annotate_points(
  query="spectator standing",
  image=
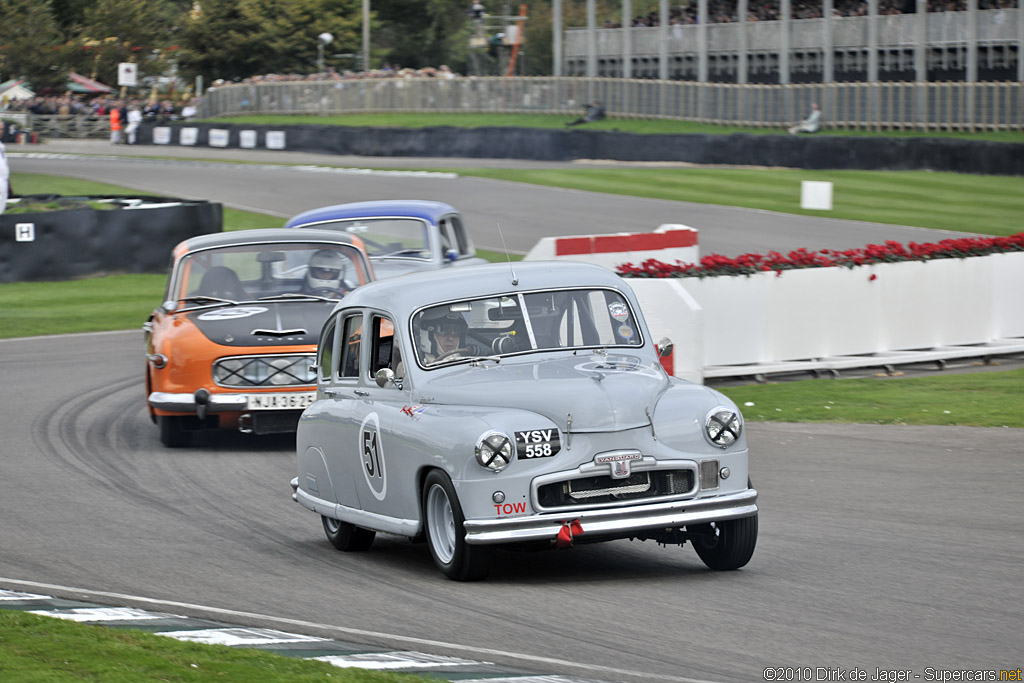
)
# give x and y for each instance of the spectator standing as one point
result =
(115, 124)
(812, 124)
(134, 119)
(5, 179)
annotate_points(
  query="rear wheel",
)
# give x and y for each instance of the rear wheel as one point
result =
(446, 534)
(347, 537)
(173, 433)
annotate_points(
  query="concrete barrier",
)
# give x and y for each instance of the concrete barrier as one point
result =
(831, 319)
(669, 243)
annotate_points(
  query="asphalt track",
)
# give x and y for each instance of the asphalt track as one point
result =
(881, 547)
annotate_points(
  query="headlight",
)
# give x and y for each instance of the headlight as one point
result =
(722, 427)
(494, 451)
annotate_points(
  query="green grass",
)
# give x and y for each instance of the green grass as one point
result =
(641, 126)
(989, 205)
(979, 399)
(49, 650)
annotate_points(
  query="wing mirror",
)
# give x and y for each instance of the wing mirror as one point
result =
(451, 255)
(664, 347)
(384, 376)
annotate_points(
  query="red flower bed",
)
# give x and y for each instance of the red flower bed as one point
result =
(891, 252)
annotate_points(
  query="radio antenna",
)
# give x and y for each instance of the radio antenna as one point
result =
(515, 279)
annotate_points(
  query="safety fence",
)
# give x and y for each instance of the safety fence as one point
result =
(946, 106)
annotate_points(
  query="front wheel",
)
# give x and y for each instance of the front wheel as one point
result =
(173, 433)
(347, 537)
(728, 544)
(446, 534)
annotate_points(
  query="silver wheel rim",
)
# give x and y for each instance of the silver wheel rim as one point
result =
(332, 525)
(441, 524)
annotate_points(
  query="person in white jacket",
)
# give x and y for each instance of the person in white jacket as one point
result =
(812, 124)
(134, 119)
(5, 175)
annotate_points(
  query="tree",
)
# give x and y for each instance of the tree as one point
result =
(114, 31)
(234, 39)
(30, 43)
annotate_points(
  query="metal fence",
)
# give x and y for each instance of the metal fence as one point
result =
(61, 126)
(949, 106)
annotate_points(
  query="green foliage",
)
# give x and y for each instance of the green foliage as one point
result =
(30, 43)
(234, 39)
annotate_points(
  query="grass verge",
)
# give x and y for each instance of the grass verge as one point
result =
(37, 648)
(980, 399)
(640, 126)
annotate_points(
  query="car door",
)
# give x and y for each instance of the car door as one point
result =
(337, 429)
(379, 415)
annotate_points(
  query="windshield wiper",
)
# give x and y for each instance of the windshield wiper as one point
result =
(212, 299)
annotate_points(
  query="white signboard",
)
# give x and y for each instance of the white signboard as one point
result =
(162, 135)
(189, 136)
(25, 232)
(247, 139)
(218, 137)
(275, 139)
(128, 74)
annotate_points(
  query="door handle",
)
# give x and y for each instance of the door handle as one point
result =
(330, 392)
(360, 392)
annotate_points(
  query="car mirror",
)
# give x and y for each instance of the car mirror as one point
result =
(664, 347)
(384, 376)
(169, 306)
(271, 256)
(451, 254)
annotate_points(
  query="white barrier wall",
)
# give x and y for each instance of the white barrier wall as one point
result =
(835, 317)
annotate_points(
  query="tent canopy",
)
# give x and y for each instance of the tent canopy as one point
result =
(15, 89)
(81, 84)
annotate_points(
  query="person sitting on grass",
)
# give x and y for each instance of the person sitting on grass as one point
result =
(595, 112)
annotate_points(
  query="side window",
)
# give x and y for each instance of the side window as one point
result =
(385, 352)
(325, 352)
(446, 237)
(352, 333)
(458, 236)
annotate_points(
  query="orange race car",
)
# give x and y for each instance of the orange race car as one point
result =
(233, 346)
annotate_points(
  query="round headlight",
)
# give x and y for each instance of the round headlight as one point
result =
(494, 451)
(722, 427)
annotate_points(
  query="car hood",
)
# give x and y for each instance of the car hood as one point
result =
(602, 393)
(263, 323)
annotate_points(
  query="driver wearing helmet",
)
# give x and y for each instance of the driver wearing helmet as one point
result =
(447, 337)
(326, 274)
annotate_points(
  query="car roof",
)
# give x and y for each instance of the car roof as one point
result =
(416, 208)
(260, 235)
(406, 293)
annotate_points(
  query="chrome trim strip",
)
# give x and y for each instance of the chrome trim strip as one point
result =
(360, 518)
(186, 403)
(615, 520)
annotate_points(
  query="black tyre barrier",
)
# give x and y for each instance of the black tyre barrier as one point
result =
(816, 151)
(73, 243)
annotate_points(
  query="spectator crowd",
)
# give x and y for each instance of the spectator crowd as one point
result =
(153, 109)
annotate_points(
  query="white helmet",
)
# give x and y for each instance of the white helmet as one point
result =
(326, 270)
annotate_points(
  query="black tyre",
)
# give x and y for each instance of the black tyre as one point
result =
(347, 537)
(446, 534)
(726, 545)
(173, 433)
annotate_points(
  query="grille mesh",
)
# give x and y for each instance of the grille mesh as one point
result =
(265, 371)
(604, 489)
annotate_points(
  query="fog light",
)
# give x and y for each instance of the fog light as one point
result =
(724, 473)
(498, 497)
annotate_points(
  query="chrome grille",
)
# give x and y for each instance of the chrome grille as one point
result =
(604, 489)
(265, 371)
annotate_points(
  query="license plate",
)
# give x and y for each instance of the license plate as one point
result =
(284, 401)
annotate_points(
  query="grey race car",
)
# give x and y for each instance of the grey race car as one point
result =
(521, 404)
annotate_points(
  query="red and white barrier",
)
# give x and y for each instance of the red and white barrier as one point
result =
(669, 243)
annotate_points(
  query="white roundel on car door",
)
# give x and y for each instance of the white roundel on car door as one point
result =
(372, 453)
